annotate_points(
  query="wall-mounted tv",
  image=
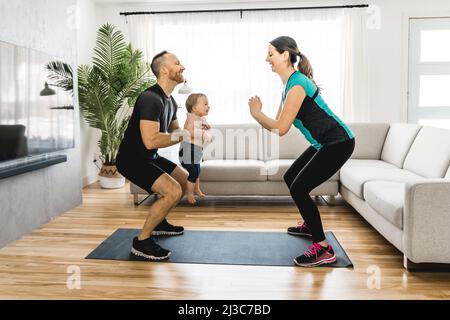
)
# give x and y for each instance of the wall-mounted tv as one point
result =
(36, 116)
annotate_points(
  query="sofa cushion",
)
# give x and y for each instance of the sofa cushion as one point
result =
(353, 175)
(277, 168)
(233, 170)
(235, 142)
(429, 155)
(369, 139)
(289, 146)
(387, 198)
(368, 163)
(398, 141)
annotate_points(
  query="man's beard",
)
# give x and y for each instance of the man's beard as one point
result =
(177, 77)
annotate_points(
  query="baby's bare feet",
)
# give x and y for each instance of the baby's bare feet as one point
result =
(199, 193)
(191, 198)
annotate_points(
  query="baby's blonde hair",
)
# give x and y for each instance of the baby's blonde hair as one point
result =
(191, 101)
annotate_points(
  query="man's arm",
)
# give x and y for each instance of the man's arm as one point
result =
(153, 139)
(174, 125)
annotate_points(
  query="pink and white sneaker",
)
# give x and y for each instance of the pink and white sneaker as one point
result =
(316, 256)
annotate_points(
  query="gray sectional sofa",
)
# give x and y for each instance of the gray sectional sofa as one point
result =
(398, 179)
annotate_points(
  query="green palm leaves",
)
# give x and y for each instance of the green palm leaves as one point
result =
(108, 88)
(61, 74)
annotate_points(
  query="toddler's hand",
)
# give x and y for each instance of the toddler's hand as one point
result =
(207, 138)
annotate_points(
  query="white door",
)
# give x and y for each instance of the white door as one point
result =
(429, 72)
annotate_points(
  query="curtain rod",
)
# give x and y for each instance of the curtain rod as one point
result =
(244, 10)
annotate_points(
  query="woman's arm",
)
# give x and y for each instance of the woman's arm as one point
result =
(278, 112)
(286, 116)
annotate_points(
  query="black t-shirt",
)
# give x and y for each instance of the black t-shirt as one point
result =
(154, 105)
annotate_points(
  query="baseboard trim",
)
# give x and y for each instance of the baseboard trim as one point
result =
(87, 180)
(427, 267)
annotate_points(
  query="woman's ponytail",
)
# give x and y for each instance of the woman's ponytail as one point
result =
(305, 67)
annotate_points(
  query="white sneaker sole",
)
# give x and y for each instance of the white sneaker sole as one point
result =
(300, 234)
(310, 265)
(146, 256)
(166, 233)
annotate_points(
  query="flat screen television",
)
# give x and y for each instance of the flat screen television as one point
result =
(36, 116)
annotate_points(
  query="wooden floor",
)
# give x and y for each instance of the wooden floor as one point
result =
(38, 266)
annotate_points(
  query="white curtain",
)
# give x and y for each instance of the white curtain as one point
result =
(224, 55)
(141, 34)
(355, 89)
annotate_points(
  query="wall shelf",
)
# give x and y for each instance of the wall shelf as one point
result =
(30, 165)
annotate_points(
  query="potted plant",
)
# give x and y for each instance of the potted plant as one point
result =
(107, 90)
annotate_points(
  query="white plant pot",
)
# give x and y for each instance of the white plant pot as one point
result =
(110, 178)
(111, 183)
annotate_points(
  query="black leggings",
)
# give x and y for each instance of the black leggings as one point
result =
(311, 169)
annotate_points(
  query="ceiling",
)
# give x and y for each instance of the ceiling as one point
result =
(194, 2)
(166, 2)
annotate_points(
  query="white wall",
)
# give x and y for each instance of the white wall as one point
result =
(387, 45)
(388, 55)
(86, 34)
(32, 199)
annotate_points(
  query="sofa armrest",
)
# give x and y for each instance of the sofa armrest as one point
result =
(426, 228)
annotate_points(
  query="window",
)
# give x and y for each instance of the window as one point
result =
(429, 72)
(225, 54)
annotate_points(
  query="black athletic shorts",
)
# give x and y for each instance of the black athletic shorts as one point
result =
(144, 173)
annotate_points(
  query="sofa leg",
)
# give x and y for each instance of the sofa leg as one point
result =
(428, 267)
(331, 200)
(136, 199)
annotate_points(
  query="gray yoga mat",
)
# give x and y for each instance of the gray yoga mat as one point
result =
(220, 247)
